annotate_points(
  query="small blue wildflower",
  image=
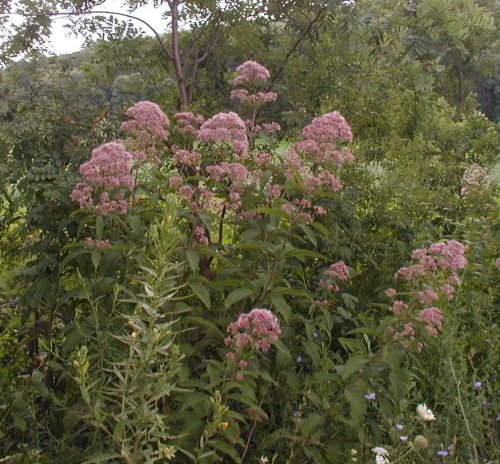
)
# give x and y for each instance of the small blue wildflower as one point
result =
(498, 417)
(371, 396)
(315, 334)
(296, 414)
(399, 426)
(299, 359)
(478, 384)
(443, 453)
(404, 438)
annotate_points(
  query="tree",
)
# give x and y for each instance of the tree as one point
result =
(208, 22)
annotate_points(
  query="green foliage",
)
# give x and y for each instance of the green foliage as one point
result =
(117, 354)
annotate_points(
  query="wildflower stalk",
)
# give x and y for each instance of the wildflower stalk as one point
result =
(459, 396)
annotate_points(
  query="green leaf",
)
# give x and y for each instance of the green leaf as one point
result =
(193, 259)
(290, 291)
(309, 234)
(96, 258)
(228, 449)
(203, 322)
(353, 364)
(272, 211)
(314, 454)
(19, 422)
(99, 226)
(282, 307)
(301, 254)
(311, 424)
(357, 404)
(102, 457)
(237, 295)
(277, 435)
(135, 224)
(72, 255)
(72, 338)
(350, 301)
(201, 292)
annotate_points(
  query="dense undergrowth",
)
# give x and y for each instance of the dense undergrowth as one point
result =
(304, 272)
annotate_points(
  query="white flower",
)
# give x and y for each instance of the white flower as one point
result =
(381, 460)
(425, 413)
(379, 451)
(263, 460)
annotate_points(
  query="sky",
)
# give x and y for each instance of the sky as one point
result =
(61, 43)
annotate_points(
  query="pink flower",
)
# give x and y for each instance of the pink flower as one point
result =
(253, 98)
(474, 180)
(271, 127)
(399, 307)
(256, 330)
(449, 255)
(148, 116)
(433, 319)
(228, 128)
(97, 244)
(288, 208)
(175, 181)
(201, 236)
(188, 123)
(186, 191)
(448, 290)
(106, 180)
(189, 158)
(146, 128)
(251, 72)
(427, 296)
(391, 292)
(407, 332)
(274, 191)
(242, 364)
(327, 128)
(410, 272)
(338, 271)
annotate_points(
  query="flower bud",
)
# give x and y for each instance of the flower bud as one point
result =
(420, 442)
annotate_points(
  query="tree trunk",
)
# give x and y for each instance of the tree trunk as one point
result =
(176, 56)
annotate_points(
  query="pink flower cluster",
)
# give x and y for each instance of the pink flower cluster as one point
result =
(106, 180)
(228, 128)
(258, 97)
(188, 123)
(433, 320)
(251, 72)
(97, 244)
(337, 272)
(256, 330)
(475, 180)
(442, 256)
(328, 128)
(299, 210)
(221, 174)
(321, 138)
(434, 276)
(315, 158)
(200, 235)
(187, 157)
(146, 128)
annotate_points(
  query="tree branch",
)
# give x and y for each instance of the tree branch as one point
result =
(83, 13)
(306, 31)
